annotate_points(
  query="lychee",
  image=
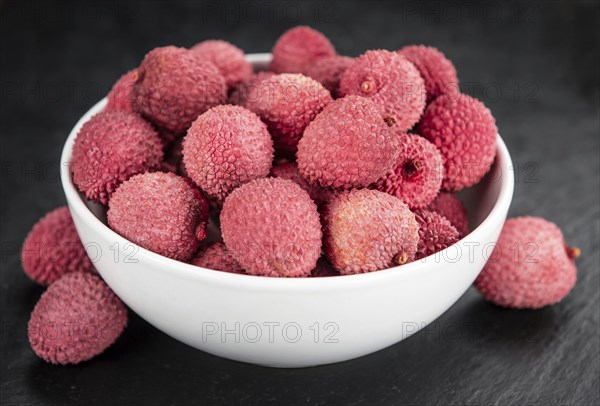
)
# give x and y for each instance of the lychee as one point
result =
(329, 70)
(530, 267)
(120, 96)
(289, 170)
(216, 256)
(272, 228)
(226, 147)
(465, 132)
(435, 233)
(77, 318)
(161, 212)
(392, 82)
(176, 85)
(287, 103)
(368, 230)
(239, 93)
(229, 59)
(417, 174)
(347, 145)
(436, 70)
(110, 148)
(52, 248)
(298, 48)
(449, 205)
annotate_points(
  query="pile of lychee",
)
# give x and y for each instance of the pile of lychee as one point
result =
(324, 165)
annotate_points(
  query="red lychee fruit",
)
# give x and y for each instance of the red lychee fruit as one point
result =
(53, 248)
(436, 70)
(299, 48)
(368, 230)
(216, 256)
(465, 132)
(226, 147)
(161, 212)
(120, 96)
(176, 85)
(77, 318)
(272, 228)
(329, 70)
(436, 233)
(392, 82)
(450, 206)
(110, 148)
(229, 59)
(530, 267)
(287, 103)
(417, 174)
(347, 145)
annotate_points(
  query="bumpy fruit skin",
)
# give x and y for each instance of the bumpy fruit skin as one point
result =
(226, 147)
(436, 70)
(216, 256)
(530, 267)
(465, 132)
(110, 148)
(229, 59)
(77, 318)
(417, 174)
(329, 70)
(448, 205)
(239, 93)
(272, 228)
(368, 230)
(392, 82)
(175, 86)
(289, 171)
(287, 103)
(347, 145)
(298, 48)
(161, 212)
(52, 248)
(120, 96)
(435, 233)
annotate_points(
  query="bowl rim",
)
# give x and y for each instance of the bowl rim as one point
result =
(188, 271)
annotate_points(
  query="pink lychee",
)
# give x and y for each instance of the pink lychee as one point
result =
(226, 147)
(347, 145)
(392, 82)
(465, 132)
(161, 212)
(110, 148)
(77, 318)
(530, 267)
(229, 59)
(298, 48)
(368, 230)
(417, 175)
(272, 228)
(53, 248)
(174, 86)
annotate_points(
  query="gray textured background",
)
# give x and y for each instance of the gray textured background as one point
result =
(535, 64)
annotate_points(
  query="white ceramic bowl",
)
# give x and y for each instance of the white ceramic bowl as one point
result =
(291, 322)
